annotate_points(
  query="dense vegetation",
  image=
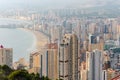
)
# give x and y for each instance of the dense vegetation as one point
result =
(6, 73)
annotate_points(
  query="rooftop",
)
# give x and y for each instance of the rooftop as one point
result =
(52, 46)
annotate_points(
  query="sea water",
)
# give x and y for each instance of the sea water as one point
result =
(22, 41)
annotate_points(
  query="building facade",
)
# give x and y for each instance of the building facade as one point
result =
(34, 63)
(115, 58)
(68, 58)
(52, 60)
(6, 56)
(94, 65)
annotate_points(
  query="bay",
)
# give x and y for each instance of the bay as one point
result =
(23, 42)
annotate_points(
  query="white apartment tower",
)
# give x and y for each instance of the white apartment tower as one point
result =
(94, 65)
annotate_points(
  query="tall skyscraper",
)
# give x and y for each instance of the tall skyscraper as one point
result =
(6, 56)
(94, 65)
(68, 58)
(52, 60)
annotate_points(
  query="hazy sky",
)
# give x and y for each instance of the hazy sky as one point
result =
(56, 3)
(40, 1)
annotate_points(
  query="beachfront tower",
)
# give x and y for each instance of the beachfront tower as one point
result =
(68, 58)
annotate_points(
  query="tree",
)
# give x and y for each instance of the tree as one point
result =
(6, 73)
(6, 70)
(44, 78)
(34, 76)
(19, 75)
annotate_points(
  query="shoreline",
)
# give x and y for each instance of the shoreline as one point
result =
(41, 39)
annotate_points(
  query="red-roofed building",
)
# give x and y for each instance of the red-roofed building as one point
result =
(116, 78)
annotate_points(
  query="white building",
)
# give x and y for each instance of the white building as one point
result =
(94, 65)
(6, 56)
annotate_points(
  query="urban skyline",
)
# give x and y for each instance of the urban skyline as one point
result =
(70, 40)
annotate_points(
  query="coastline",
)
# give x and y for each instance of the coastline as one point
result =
(41, 39)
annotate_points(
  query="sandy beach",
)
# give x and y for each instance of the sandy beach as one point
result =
(41, 39)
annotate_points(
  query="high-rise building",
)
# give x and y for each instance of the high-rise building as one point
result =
(68, 58)
(95, 42)
(83, 71)
(39, 63)
(45, 62)
(34, 62)
(52, 60)
(92, 39)
(6, 56)
(94, 65)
